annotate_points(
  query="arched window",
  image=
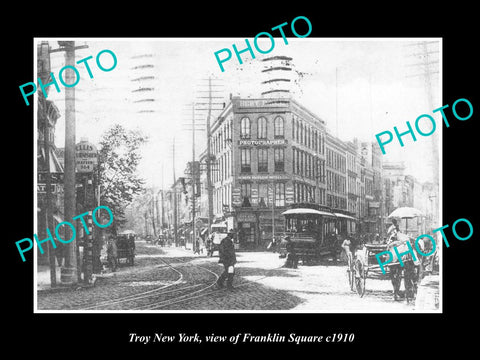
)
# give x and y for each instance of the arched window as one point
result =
(278, 128)
(261, 128)
(245, 128)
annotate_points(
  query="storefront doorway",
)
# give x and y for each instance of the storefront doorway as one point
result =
(246, 234)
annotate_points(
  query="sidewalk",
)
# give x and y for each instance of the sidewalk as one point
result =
(43, 277)
(43, 271)
(428, 294)
(44, 283)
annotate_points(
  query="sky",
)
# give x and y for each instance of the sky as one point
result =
(359, 87)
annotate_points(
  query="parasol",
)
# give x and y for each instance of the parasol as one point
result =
(406, 213)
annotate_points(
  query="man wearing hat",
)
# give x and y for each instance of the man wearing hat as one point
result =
(226, 251)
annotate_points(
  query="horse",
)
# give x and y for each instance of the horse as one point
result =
(411, 268)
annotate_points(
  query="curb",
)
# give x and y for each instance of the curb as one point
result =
(65, 288)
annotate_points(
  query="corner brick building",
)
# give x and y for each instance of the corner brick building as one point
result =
(272, 152)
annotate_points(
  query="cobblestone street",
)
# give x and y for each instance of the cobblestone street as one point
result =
(175, 279)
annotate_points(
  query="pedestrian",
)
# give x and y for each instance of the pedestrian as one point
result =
(292, 259)
(112, 254)
(197, 247)
(226, 251)
(392, 231)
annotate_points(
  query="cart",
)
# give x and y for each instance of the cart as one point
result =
(364, 262)
(361, 263)
(126, 247)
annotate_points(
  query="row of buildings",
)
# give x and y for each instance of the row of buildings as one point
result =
(269, 153)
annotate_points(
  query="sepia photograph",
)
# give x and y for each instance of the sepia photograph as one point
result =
(260, 175)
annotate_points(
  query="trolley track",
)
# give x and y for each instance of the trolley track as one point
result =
(192, 282)
(179, 290)
(185, 293)
(201, 293)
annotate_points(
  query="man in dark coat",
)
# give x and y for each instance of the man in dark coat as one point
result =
(226, 252)
(112, 254)
(292, 259)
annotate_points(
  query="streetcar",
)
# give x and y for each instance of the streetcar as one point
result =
(314, 231)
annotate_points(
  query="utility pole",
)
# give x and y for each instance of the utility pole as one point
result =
(336, 102)
(174, 198)
(194, 179)
(145, 215)
(163, 201)
(152, 210)
(68, 272)
(273, 210)
(429, 53)
(209, 155)
(157, 210)
(209, 109)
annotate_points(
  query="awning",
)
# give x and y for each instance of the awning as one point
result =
(306, 211)
(345, 216)
(406, 212)
(55, 164)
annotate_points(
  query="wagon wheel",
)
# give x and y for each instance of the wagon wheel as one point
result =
(351, 277)
(360, 277)
(350, 274)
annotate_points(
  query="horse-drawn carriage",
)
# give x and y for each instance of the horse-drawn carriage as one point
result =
(126, 246)
(363, 259)
(363, 262)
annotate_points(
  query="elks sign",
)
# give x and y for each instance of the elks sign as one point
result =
(86, 156)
